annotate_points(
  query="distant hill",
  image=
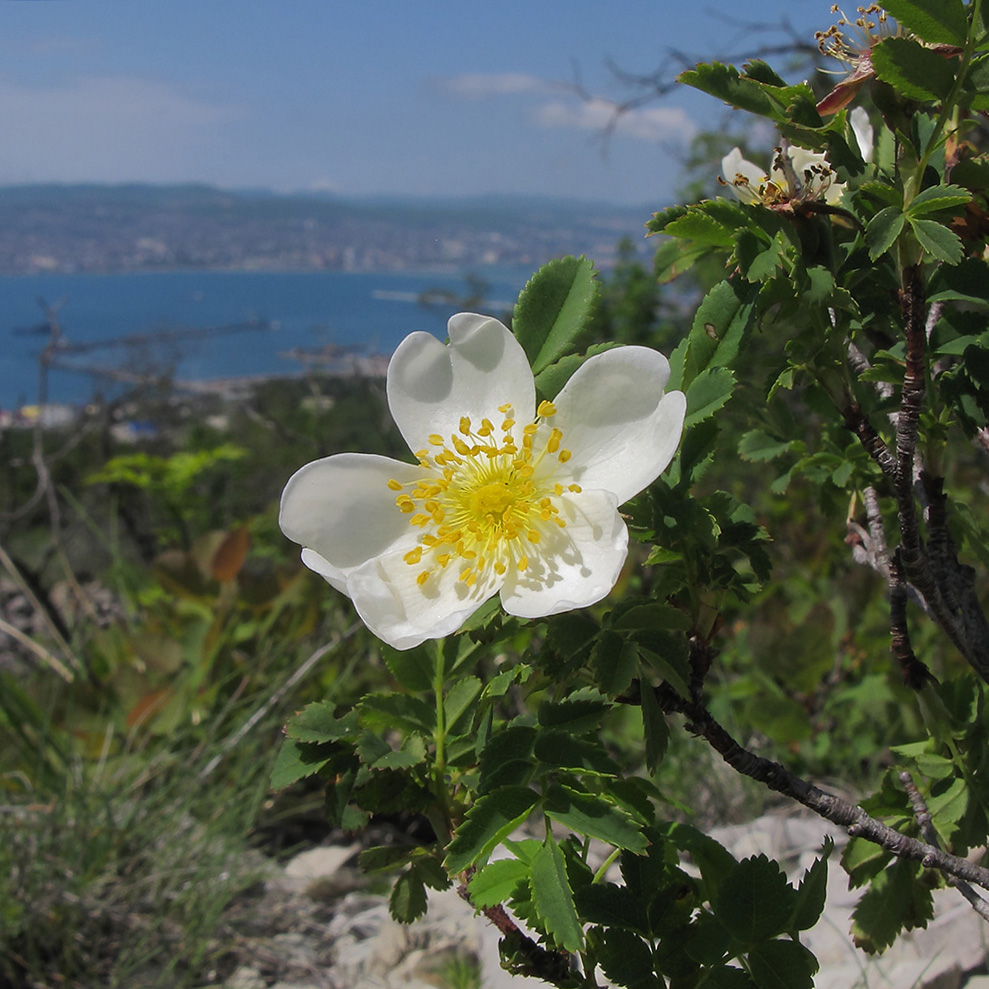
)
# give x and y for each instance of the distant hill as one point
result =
(104, 228)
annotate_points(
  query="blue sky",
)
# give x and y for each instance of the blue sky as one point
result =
(412, 97)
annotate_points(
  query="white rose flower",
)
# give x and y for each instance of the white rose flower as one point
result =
(796, 176)
(505, 498)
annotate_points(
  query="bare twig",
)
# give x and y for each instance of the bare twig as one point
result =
(923, 818)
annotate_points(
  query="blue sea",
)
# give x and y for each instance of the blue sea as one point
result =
(183, 321)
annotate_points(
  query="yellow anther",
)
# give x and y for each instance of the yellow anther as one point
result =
(557, 489)
(465, 575)
(499, 567)
(553, 444)
(413, 556)
(575, 488)
(564, 456)
(465, 425)
(443, 559)
(430, 540)
(419, 519)
(436, 439)
(394, 485)
(460, 446)
(507, 425)
(533, 536)
(486, 425)
(406, 507)
(531, 428)
(422, 578)
(522, 563)
(545, 410)
(505, 409)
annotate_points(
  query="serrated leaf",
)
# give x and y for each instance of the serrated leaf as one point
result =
(614, 662)
(722, 322)
(937, 21)
(316, 722)
(412, 668)
(912, 69)
(782, 965)
(883, 229)
(553, 898)
(494, 817)
(383, 858)
(458, 704)
(707, 393)
(553, 309)
(408, 898)
(627, 960)
(754, 901)
(382, 711)
(757, 445)
(965, 282)
(575, 716)
(812, 892)
(698, 226)
(656, 731)
(894, 902)
(507, 758)
(495, 883)
(724, 82)
(589, 814)
(938, 240)
(296, 760)
(938, 197)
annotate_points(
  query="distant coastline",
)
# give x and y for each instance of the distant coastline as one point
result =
(96, 229)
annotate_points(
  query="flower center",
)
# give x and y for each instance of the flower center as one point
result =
(483, 503)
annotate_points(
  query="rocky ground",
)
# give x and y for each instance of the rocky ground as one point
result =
(317, 926)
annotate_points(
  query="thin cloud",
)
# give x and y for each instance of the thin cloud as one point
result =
(104, 128)
(478, 85)
(655, 124)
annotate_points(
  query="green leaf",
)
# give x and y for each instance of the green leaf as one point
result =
(614, 662)
(507, 758)
(937, 240)
(550, 381)
(655, 728)
(757, 261)
(296, 760)
(575, 716)
(491, 819)
(755, 901)
(937, 21)
(707, 393)
(495, 883)
(589, 814)
(711, 857)
(883, 229)
(553, 898)
(721, 324)
(938, 197)
(896, 901)
(384, 858)
(627, 960)
(408, 898)
(757, 445)
(726, 978)
(913, 70)
(317, 723)
(701, 228)
(412, 668)
(388, 710)
(812, 892)
(782, 965)
(724, 82)
(458, 704)
(553, 309)
(965, 282)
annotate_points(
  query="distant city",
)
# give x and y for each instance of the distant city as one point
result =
(92, 229)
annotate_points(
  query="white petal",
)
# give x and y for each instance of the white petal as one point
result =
(342, 510)
(862, 129)
(743, 178)
(621, 429)
(403, 614)
(430, 385)
(574, 567)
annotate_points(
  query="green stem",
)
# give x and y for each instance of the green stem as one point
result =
(912, 187)
(439, 740)
(605, 866)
